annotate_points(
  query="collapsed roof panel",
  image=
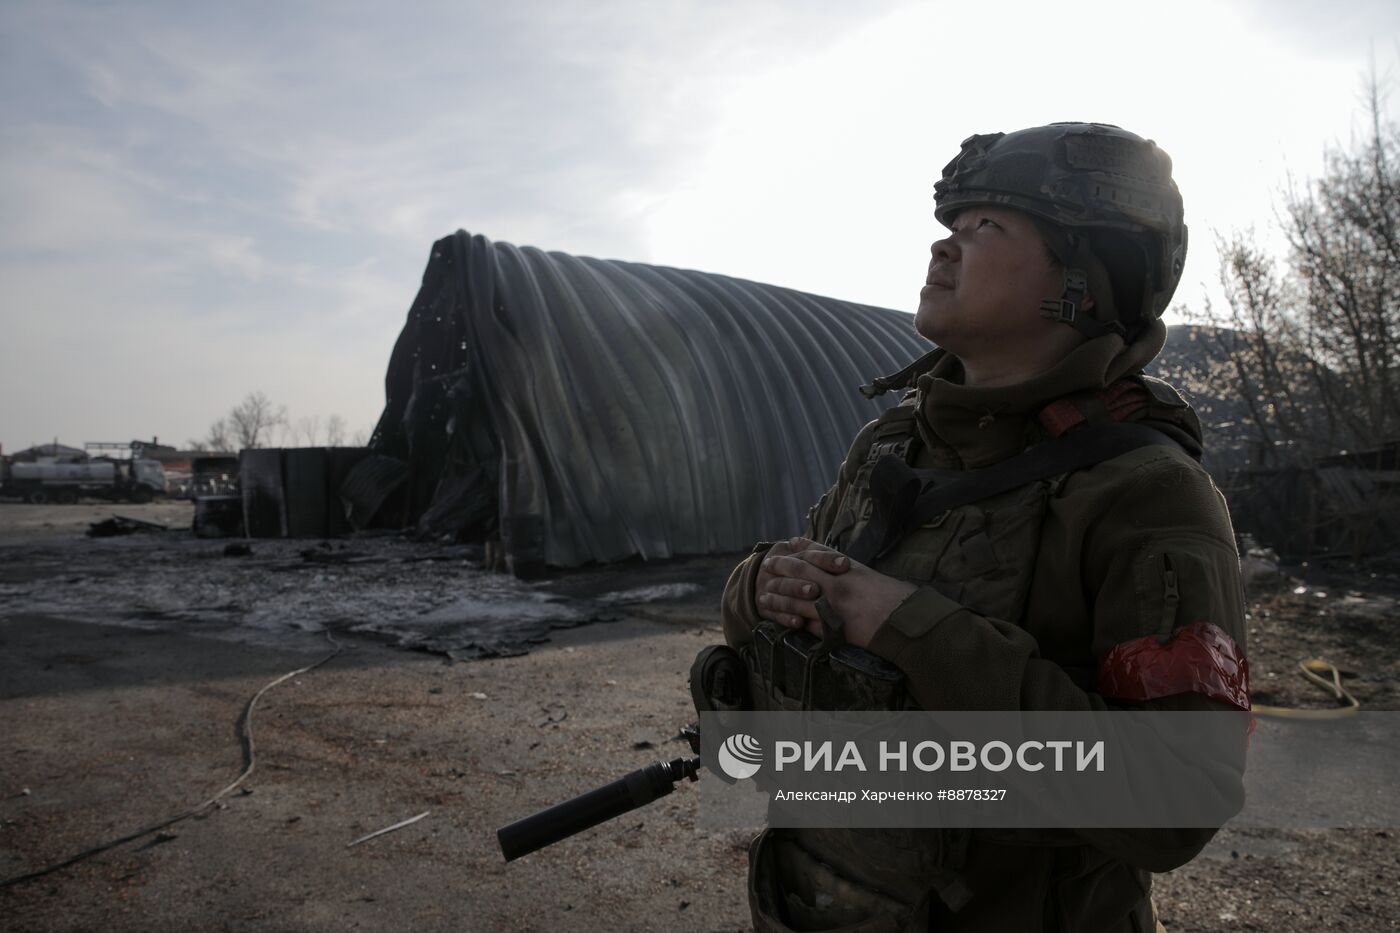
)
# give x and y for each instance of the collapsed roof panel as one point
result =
(592, 410)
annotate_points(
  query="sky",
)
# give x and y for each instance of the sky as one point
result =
(201, 200)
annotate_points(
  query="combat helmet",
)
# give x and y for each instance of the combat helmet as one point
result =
(1103, 199)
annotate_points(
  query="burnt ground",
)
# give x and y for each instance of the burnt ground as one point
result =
(1334, 879)
(126, 662)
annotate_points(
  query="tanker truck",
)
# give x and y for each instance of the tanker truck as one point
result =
(131, 480)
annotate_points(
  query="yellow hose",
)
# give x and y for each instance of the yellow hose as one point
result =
(1313, 669)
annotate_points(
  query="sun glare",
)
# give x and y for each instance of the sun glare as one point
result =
(820, 174)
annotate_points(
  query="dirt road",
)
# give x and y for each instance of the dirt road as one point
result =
(125, 664)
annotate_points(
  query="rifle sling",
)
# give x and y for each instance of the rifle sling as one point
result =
(904, 498)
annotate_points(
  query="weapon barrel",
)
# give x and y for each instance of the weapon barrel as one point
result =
(563, 820)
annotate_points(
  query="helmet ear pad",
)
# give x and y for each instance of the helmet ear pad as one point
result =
(1112, 264)
(1125, 263)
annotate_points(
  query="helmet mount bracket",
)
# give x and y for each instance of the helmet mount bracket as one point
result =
(1066, 308)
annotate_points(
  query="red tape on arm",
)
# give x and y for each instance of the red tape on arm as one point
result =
(1198, 658)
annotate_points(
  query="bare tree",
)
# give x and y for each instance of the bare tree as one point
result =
(335, 431)
(1310, 345)
(1344, 233)
(1258, 348)
(219, 439)
(1314, 350)
(306, 430)
(256, 422)
(253, 421)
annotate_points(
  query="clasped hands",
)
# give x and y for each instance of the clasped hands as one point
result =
(797, 572)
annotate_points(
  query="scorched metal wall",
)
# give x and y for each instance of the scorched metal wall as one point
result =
(592, 410)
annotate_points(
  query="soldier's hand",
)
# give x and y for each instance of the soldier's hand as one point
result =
(770, 584)
(864, 598)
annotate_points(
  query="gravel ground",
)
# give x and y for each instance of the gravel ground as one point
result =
(126, 662)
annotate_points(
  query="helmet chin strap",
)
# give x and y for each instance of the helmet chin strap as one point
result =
(1084, 275)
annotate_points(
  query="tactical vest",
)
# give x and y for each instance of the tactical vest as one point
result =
(977, 554)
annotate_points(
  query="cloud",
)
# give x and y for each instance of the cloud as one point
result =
(1324, 28)
(229, 197)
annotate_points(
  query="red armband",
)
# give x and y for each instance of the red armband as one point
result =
(1198, 658)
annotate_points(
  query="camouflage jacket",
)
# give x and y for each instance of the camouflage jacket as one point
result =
(1049, 596)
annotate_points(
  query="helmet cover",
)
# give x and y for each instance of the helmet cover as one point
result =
(1086, 178)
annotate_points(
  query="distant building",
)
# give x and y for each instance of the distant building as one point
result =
(55, 451)
(172, 458)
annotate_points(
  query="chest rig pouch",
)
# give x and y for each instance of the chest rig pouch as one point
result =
(975, 552)
(969, 533)
(894, 436)
(792, 670)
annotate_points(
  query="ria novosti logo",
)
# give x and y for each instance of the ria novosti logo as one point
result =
(740, 756)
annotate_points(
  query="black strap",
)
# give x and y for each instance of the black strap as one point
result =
(902, 379)
(904, 498)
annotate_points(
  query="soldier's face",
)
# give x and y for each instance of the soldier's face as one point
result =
(985, 284)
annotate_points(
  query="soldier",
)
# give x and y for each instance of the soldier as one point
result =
(1110, 584)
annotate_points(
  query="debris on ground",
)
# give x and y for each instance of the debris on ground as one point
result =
(119, 525)
(327, 553)
(554, 712)
(389, 829)
(218, 517)
(1259, 570)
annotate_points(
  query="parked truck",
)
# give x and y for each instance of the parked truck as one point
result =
(131, 480)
